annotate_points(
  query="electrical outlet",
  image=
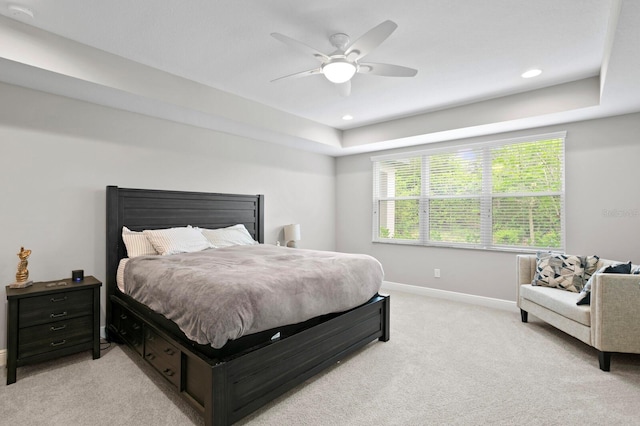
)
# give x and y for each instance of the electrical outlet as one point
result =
(436, 273)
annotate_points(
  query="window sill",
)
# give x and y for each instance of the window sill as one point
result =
(518, 250)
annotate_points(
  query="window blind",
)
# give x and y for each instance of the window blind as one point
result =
(497, 195)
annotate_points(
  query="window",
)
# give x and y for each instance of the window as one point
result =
(497, 195)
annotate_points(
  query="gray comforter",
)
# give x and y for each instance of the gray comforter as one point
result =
(222, 294)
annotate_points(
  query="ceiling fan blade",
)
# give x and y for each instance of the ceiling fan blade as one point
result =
(300, 74)
(386, 70)
(370, 40)
(344, 88)
(301, 47)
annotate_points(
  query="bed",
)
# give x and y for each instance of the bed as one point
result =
(227, 383)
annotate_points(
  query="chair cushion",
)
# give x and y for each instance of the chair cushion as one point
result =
(560, 301)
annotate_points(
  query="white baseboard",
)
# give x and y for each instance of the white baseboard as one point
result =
(452, 295)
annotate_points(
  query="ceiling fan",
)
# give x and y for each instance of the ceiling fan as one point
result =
(340, 66)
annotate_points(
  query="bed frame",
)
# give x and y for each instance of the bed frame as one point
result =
(224, 384)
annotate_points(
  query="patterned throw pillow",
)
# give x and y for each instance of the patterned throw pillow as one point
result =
(590, 267)
(560, 271)
(585, 294)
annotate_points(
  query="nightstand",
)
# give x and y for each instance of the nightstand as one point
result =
(52, 319)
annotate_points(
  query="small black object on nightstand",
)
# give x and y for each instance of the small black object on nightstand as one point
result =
(77, 275)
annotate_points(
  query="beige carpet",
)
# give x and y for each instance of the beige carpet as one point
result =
(446, 363)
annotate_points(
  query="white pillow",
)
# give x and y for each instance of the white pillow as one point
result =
(177, 240)
(137, 243)
(236, 235)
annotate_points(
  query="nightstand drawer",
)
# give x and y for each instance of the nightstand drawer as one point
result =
(43, 338)
(54, 307)
(163, 356)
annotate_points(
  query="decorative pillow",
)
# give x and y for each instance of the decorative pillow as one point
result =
(585, 294)
(635, 269)
(559, 271)
(590, 267)
(177, 240)
(621, 268)
(137, 243)
(236, 235)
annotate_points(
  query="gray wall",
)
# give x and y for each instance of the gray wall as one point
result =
(602, 211)
(57, 155)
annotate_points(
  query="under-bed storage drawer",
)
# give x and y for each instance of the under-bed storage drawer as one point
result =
(129, 327)
(164, 356)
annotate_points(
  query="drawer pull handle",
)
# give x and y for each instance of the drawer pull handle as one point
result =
(169, 372)
(63, 314)
(62, 299)
(61, 342)
(136, 326)
(123, 316)
(169, 351)
(151, 356)
(62, 327)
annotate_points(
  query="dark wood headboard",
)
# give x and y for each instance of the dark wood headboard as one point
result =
(140, 209)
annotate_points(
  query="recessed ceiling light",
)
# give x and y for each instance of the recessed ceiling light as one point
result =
(531, 73)
(347, 117)
(20, 11)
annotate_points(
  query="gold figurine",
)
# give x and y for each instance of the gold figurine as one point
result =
(22, 275)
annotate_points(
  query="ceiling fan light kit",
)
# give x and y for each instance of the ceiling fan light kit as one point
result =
(340, 66)
(339, 70)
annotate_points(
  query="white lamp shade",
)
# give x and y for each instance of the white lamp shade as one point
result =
(339, 71)
(292, 232)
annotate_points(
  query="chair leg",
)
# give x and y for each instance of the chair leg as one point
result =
(605, 360)
(524, 315)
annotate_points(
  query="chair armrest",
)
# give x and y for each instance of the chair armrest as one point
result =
(615, 313)
(526, 269)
